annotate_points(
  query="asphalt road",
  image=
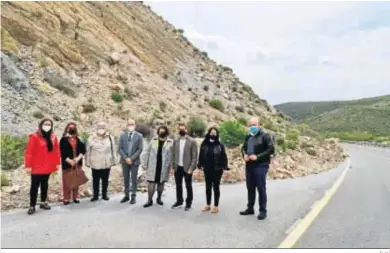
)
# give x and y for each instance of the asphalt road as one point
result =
(358, 214)
(114, 225)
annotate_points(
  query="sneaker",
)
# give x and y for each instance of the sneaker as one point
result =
(31, 210)
(45, 206)
(177, 204)
(188, 207)
(247, 212)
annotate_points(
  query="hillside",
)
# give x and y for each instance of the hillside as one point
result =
(86, 61)
(362, 119)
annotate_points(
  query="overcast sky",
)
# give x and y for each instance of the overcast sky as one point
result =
(293, 51)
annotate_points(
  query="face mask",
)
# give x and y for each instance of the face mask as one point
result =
(46, 128)
(213, 138)
(253, 130)
(101, 131)
(182, 132)
(162, 135)
(131, 128)
(72, 131)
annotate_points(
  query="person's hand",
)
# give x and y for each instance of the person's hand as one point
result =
(171, 171)
(28, 170)
(246, 158)
(129, 161)
(252, 157)
(197, 174)
(189, 171)
(71, 162)
(58, 167)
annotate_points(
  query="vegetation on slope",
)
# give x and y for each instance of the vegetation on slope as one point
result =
(360, 120)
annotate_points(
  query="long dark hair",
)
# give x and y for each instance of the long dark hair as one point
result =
(207, 137)
(67, 127)
(165, 128)
(46, 135)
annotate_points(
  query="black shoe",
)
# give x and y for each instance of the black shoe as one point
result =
(94, 199)
(262, 216)
(31, 210)
(76, 201)
(188, 207)
(105, 198)
(247, 212)
(132, 201)
(66, 202)
(160, 202)
(148, 204)
(177, 204)
(125, 199)
(45, 206)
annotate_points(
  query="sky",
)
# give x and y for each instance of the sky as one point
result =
(293, 51)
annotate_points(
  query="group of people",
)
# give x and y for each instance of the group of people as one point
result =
(161, 157)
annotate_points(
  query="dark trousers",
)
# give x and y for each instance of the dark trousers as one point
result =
(36, 182)
(179, 175)
(130, 173)
(256, 176)
(97, 175)
(213, 179)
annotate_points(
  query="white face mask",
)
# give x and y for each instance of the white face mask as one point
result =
(101, 131)
(131, 128)
(46, 128)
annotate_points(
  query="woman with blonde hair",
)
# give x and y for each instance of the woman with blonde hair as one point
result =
(100, 157)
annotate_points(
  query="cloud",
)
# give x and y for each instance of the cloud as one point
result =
(293, 51)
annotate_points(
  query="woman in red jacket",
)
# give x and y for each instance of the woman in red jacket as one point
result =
(42, 157)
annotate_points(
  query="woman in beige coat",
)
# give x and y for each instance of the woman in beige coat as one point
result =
(100, 157)
(157, 161)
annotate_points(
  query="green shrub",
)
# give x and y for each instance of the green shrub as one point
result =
(242, 121)
(196, 127)
(206, 88)
(290, 144)
(12, 151)
(270, 125)
(293, 134)
(163, 106)
(280, 141)
(84, 137)
(4, 180)
(232, 133)
(240, 108)
(117, 97)
(216, 104)
(89, 108)
(38, 115)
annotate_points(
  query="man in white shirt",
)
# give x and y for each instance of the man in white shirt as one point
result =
(184, 163)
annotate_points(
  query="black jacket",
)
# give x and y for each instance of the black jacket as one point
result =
(66, 152)
(264, 147)
(220, 158)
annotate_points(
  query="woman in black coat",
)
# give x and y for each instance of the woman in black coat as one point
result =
(213, 161)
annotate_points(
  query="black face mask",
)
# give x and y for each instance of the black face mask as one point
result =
(182, 132)
(72, 131)
(213, 137)
(162, 135)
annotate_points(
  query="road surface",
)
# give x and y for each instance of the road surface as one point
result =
(357, 216)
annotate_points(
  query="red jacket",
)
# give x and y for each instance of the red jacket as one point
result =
(38, 158)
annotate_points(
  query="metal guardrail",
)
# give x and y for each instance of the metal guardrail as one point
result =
(368, 143)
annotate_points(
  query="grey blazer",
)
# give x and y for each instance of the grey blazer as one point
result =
(190, 154)
(132, 149)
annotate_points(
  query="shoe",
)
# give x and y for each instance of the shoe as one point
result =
(206, 208)
(125, 199)
(132, 201)
(76, 201)
(45, 206)
(262, 216)
(247, 212)
(94, 199)
(177, 204)
(160, 202)
(214, 210)
(187, 208)
(66, 202)
(31, 210)
(148, 204)
(106, 198)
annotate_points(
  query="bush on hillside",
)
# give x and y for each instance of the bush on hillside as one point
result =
(232, 133)
(12, 151)
(4, 180)
(242, 121)
(196, 127)
(117, 97)
(216, 104)
(293, 135)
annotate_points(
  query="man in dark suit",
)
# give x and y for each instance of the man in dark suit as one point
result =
(184, 162)
(256, 151)
(130, 149)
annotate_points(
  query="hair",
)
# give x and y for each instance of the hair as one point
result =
(67, 127)
(163, 127)
(208, 134)
(46, 136)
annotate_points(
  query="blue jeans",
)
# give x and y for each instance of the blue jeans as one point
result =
(256, 175)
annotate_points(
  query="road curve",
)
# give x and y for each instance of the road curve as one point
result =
(114, 225)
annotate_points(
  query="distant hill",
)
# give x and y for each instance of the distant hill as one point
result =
(362, 119)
